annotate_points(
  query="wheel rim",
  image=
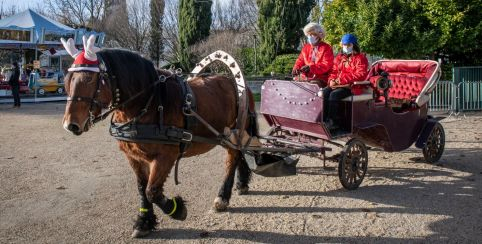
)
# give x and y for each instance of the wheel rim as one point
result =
(41, 92)
(435, 144)
(60, 90)
(353, 164)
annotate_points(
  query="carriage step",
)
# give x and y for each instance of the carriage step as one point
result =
(271, 165)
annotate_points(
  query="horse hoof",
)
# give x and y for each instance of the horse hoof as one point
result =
(181, 212)
(220, 205)
(140, 233)
(242, 190)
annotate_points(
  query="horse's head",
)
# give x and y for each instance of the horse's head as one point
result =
(87, 90)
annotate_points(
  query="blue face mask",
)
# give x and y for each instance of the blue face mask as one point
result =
(347, 50)
(312, 40)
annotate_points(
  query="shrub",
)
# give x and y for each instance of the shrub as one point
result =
(281, 65)
(246, 60)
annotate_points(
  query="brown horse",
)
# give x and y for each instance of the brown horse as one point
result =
(127, 75)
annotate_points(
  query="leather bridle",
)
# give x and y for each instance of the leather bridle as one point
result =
(93, 101)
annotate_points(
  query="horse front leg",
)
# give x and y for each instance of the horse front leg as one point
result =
(159, 170)
(146, 219)
(222, 201)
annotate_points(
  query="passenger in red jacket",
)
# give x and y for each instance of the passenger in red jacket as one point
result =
(350, 65)
(316, 58)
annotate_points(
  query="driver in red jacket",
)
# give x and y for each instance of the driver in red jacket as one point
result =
(350, 65)
(316, 58)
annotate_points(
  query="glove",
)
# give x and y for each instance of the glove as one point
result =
(305, 69)
(295, 72)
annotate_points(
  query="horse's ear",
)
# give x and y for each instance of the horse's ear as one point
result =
(89, 48)
(69, 46)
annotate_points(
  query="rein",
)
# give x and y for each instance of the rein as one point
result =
(104, 115)
(103, 76)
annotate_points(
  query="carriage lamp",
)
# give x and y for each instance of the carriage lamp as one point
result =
(384, 84)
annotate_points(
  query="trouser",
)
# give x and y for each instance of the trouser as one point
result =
(16, 96)
(331, 102)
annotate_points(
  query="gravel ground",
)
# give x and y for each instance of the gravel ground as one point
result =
(59, 188)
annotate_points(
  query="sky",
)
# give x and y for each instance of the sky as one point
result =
(22, 4)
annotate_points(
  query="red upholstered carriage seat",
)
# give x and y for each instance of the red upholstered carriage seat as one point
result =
(411, 79)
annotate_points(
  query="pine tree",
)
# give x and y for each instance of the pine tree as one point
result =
(194, 25)
(155, 45)
(280, 25)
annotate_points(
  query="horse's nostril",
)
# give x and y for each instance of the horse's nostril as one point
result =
(73, 127)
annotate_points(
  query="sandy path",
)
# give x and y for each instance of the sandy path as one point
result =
(58, 188)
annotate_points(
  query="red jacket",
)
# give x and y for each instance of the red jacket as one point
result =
(321, 66)
(348, 69)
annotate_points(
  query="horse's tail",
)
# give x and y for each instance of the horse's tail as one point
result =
(252, 128)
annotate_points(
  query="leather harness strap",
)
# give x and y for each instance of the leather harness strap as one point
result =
(159, 133)
(189, 122)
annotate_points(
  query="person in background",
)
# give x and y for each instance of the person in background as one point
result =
(15, 84)
(316, 58)
(350, 65)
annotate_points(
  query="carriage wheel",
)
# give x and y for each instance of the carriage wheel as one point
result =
(434, 147)
(353, 164)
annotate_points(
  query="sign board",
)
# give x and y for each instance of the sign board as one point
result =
(36, 64)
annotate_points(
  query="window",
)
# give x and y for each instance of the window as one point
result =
(55, 37)
(15, 35)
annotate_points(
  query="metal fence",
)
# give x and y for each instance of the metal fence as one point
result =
(469, 94)
(463, 93)
(467, 74)
(454, 98)
(443, 97)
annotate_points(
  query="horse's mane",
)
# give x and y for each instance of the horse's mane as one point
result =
(134, 73)
(131, 71)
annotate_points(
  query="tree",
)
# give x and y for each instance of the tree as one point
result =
(315, 14)
(170, 33)
(83, 13)
(156, 44)
(460, 25)
(409, 28)
(194, 25)
(280, 24)
(234, 15)
(130, 27)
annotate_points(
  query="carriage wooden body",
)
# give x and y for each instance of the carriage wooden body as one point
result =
(294, 111)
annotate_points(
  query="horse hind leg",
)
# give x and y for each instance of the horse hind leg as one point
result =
(175, 207)
(243, 176)
(222, 201)
(243, 170)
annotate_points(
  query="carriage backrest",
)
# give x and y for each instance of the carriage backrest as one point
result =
(411, 79)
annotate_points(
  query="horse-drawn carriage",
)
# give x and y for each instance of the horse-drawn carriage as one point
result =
(389, 111)
(159, 117)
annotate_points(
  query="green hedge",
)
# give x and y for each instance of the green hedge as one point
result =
(281, 65)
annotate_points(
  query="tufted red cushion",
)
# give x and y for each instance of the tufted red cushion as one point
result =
(408, 77)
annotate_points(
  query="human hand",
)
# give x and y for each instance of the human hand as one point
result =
(332, 83)
(305, 69)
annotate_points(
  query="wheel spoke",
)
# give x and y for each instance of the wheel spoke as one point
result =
(353, 165)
